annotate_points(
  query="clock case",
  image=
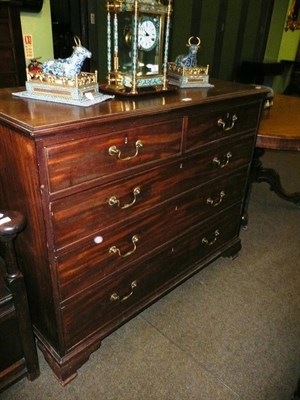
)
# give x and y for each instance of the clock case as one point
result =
(135, 65)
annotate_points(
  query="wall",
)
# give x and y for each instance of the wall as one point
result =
(39, 25)
(101, 29)
(281, 45)
(276, 30)
(228, 33)
(180, 28)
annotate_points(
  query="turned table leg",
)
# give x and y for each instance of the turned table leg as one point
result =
(270, 176)
(260, 174)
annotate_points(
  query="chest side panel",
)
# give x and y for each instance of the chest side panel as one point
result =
(20, 190)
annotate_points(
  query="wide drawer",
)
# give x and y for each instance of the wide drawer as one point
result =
(221, 123)
(104, 306)
(116, 249)
(91, 210)
(83, 160)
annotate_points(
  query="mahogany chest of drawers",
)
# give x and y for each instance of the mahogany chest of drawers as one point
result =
(124, 200)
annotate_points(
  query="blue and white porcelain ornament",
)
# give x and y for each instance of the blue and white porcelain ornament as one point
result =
(61, 81)
(184, 71)
(189, 60)
(68, 67)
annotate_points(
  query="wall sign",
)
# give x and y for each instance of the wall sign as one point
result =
(28, 46)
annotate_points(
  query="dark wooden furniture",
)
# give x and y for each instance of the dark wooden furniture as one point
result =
(12, 58)
(31, 5)
(18, 355)
(296, 395)
(293, 88)
(279, 129)
(257, 72)
(124, 200)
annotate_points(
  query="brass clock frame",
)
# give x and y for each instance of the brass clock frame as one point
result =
(125, 77)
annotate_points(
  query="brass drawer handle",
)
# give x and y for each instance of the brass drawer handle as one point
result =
(216, 202)
(115, 250)
(210, 243)
(224, 162)
(113, 200)
(113, 150)
(116, 297)
(230, 121)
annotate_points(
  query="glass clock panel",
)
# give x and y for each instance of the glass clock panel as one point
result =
(125, 41)
(148, 44)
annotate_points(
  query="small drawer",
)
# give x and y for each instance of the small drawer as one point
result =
(228, 120)
(109, 252)
(87, 159)
(102, 307)
(223, 158)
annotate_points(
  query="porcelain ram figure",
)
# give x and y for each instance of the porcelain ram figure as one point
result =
(68, 67)
(189, 60)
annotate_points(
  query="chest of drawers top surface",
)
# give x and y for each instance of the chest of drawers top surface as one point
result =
(38, 118)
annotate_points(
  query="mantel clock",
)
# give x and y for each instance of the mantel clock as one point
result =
(138, 34)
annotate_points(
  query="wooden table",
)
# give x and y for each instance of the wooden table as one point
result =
(279, 129)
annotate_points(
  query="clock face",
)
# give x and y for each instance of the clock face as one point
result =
(147, 36)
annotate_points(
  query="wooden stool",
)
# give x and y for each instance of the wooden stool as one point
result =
(18, 354)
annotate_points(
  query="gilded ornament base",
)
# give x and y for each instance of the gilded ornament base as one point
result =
(188, 77)
(122, 84)
(59, 86)
(82, 90)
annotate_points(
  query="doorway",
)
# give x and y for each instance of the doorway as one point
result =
(74, 18)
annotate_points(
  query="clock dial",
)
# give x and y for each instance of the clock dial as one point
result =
(147, 37)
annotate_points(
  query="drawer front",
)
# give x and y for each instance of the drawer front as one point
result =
(90, 210)
(103, 306)
(83, 160)
(221, 124)
(120, 247)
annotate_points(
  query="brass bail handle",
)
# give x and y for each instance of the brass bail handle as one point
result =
(113, 150)
(116, 250)
(228, 124)
(116, 297)
(210, 243)
(216, 202)
(224, 162)
(114, 201)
